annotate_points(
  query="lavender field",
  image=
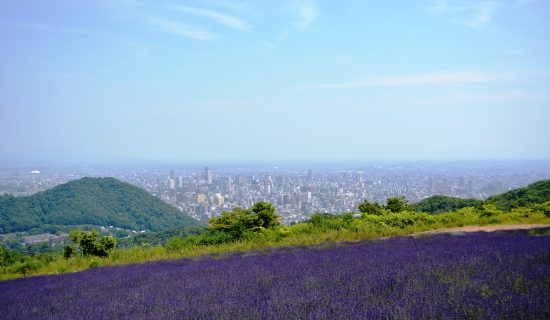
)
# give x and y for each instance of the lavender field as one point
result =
(488, 276)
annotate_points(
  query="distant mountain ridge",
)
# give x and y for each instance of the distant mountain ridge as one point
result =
(90, 201)
(537, 192)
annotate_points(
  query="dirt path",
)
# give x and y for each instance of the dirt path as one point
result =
(503, 227)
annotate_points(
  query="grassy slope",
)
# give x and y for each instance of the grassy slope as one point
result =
(333, 230)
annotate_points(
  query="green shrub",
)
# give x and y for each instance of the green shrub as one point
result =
(398, 220)
(90, 245)
(7, 257)
(27, 266)
(370, 208)
(68, 251)
(94, 264)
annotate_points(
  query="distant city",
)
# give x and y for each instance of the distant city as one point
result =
(296, 190)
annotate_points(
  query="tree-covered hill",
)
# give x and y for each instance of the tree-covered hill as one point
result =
(90, 201)
(439, 204)
(537, 192)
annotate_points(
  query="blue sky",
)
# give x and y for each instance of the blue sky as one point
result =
(305, 80)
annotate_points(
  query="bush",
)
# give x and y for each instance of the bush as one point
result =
(240, 221)
(27, 266)
(488, 210)
(370, 208)
(398, 204)
(541, 207)
(90, 245)
(398, 221)
(7, 257)
(94, 264)
(68, 251)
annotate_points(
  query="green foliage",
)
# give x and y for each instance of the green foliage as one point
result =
(440, 204)
(7, 257)
(488, 209)
(370, 208)
(239, 221)
(541, 207)
(158, 238)
(400, 221)
(90, 201)
(538, 192)
(94, 264)
(90, 245)
(398, 204)
(29, 265)
(68, 251)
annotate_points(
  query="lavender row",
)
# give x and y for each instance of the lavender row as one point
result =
(501, 275)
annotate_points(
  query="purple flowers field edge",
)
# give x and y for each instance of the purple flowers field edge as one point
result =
(482, 275)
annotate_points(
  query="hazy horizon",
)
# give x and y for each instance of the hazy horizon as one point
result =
(206, 81)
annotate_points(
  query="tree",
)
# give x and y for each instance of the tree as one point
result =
(398, 204)
(90, 245)
(240, 221)
(7, 257)
(68, 251)
(265, 215)
(370, 208)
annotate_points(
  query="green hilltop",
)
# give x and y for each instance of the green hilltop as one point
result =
(537, 192)
(90, 201)
(534, 193)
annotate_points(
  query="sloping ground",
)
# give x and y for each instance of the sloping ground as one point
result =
(477, 275)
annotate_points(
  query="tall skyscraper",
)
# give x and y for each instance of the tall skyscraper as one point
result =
(310, 176)
(208, 175)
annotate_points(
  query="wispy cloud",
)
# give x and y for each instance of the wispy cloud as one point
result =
(468, 13)
(416, 80)
(216, 16)
(180, 29)
(471, 13)
(307, 11)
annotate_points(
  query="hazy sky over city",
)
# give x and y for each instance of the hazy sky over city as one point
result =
(108, 80)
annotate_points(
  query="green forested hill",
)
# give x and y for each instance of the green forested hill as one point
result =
(90, 201)
(537, 192)
(439, 204)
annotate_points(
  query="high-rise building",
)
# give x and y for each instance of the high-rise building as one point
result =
(201, 198)
(310, 176)
(218, 199)
(208, 175)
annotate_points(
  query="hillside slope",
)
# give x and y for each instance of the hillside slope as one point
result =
(92, 201)
(537, 192)
(440, 204)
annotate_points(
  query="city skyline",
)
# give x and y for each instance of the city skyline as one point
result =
(296, 191)
(130, 81)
